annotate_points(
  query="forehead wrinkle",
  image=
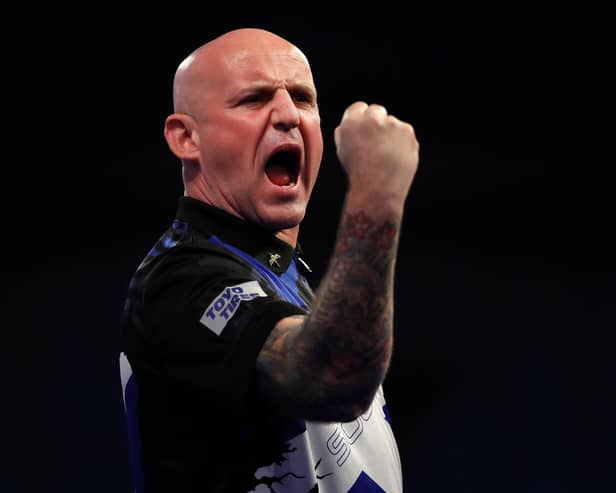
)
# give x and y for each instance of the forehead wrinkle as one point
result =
(276, 70)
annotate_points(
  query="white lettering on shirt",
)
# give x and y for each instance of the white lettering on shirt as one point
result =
(224, 306)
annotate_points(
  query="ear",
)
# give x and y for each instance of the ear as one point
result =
(182, 137)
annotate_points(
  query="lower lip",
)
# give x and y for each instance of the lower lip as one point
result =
(290, 189)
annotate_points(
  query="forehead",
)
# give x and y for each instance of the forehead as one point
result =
(277, 66)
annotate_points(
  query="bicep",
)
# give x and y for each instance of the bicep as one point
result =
(276, 361)
(282, 369)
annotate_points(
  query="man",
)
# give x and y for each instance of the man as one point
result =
(236, 377)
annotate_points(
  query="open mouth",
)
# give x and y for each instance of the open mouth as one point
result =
(282, 168)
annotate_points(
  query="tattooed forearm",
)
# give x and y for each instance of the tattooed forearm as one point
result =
(353, 311)
(340, 354)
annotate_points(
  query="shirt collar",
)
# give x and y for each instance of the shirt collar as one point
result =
(258, 242)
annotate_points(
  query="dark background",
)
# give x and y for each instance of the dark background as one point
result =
(502, 378)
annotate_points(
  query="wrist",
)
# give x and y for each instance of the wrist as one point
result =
(377, 205)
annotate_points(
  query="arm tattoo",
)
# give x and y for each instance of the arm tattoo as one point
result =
(338, 356)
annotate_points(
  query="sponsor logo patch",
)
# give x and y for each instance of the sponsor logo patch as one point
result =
(220, 311)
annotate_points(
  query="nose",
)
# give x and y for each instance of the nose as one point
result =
(285, 114)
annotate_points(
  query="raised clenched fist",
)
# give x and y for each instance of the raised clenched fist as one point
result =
(379, 152)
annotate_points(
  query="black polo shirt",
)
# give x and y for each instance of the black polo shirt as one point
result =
(198, 311)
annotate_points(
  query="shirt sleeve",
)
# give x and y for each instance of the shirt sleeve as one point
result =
(199, 326)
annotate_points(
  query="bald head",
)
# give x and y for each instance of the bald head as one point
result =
(210, 63)
(239, 100)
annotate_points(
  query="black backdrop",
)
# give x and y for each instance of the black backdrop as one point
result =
(502, 377)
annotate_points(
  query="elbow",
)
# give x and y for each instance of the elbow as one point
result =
(344, 398)
(354, 411)
(342, 408)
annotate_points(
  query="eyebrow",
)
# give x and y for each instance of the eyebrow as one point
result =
(265, 86)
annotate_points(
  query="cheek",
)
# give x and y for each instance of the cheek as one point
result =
(314, 143)
(229, 152)
(314, 135)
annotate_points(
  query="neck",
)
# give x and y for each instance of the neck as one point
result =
(289, 235)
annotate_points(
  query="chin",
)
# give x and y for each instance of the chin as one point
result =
(286, 223)
(283, 219)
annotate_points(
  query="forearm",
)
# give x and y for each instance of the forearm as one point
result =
(349, 333)
(333, 361)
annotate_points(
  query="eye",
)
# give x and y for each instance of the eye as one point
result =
(302, 97)
(253, 98)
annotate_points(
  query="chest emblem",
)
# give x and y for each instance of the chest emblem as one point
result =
(273, 259)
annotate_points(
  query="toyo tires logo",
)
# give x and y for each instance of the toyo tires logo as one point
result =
(220, 311)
